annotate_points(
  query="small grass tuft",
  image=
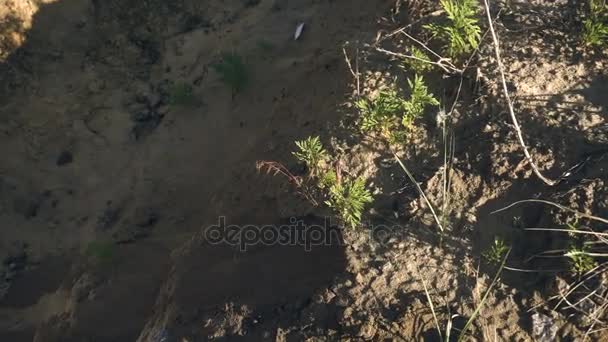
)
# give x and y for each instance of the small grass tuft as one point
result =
(495, 254)
(580, 261)
(233, 72)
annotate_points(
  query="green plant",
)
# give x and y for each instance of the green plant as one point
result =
(595, 26)
(419, 99)
(233, 72)
(180, 94)
(580, 260)
(594, 32)
(328, 179)
(463, 33)
(348, 198)
(495, 254)
(312, 153)
(379, 113)
(421, 62)
(384, 112)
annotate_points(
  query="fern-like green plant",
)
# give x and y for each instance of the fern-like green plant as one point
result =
(379, 113)
(328, 179)
(595, 26)
(390, 113)
(311, 153)
(233, 72)
(463, 32)
(421, 62)
(595, 33)
(419, 99)
(348, 198)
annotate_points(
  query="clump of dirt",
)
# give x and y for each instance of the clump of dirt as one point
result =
(124, 151)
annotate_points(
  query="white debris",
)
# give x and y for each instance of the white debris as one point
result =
(299, 30)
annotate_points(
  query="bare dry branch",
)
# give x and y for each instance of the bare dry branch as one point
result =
(509, 103)
(447, 68)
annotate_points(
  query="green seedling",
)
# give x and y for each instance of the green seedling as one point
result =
(419, 99)
(580, 260)
(348, 199)
(311, 153)
(495, 254)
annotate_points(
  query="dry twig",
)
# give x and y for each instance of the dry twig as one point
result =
(509, 103)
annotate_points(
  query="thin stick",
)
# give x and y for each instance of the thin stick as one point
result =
(411, 177)
(569, 231)
(428, 298)
(350, 67)
(357, 71)
(484, 298)
(425, 47)
(439, 64)
(578, 213)
(510, 104)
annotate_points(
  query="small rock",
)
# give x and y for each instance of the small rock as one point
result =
(543, 328)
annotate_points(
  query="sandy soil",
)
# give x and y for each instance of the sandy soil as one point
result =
(107, 189)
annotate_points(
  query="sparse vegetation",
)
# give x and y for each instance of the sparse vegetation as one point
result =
(347, 197)
(390, 113)
(233, 72)
(463, 32)
(410, 158)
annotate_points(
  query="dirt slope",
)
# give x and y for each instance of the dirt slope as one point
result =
(108, 187)
(81, 165)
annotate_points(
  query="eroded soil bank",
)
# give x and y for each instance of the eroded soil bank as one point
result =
(108, 183)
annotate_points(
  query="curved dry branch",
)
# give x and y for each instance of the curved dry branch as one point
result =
(510, 104)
